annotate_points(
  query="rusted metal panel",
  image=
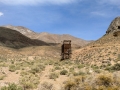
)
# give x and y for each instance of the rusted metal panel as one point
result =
(66, 50)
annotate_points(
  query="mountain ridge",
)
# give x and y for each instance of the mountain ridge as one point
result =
(48, 37)
(14, 39)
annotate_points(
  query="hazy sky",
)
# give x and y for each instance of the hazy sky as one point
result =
(86, 19)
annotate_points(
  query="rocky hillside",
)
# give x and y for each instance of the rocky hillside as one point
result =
(105, 50)
(14, 39)
(23, 30)
(54, 38)
(47, 37)
(114, 26)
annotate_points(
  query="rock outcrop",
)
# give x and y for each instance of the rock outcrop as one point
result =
(114, 26)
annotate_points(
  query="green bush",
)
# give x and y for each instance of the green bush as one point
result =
(75, 73)
(94, 67)
(80, 66)
(63, 72)
(12, 87)
(71, 69)
(35, 70)
(12, 68)
(97, 71)
(53, 76)
(57, 68)
(2, 77)
(81, 73)
(42, 67)
(116, 67)
(29, 81)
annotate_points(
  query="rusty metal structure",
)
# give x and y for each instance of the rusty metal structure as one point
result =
(66, 50)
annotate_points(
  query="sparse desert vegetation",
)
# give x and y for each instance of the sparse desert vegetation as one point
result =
(39, 74)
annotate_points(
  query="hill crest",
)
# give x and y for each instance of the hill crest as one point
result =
(15, 39)
(48, 37)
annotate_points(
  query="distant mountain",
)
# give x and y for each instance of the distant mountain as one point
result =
(23, 30)
(15, 39)
(47, 37)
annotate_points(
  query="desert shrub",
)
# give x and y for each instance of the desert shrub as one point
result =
(100, 82)
(116, 67)
(81, 73)
(71, 69)
(2, 77)
(70, 85)
(78, 73)
(118, 58)
(17, 67)
(24, 64)
(57, 68)
(46, 86)
(97, 71)
(41, 66)
(94, 67)
(35, 70)
(29, 81)
(12, 68)
(66, 62)
(56, 64)
(3, 65)
(107, 88)
(63, 72)
(12, 87)
(74, 84)
(53, 76)
(52, 70)
(12, 62)
(104, 80)
(51, 62)
(79, 79)
(23, 73)
(102, 66)
(75, 73)
(109, 68)
(80, 66)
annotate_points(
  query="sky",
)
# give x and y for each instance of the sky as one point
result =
(86, 19)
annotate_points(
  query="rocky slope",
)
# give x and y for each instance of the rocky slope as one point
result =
(114, 26)
(47, 37)
(22, 30)
(13, 45)
(105, 50)
(14, 39)
(54, 38)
